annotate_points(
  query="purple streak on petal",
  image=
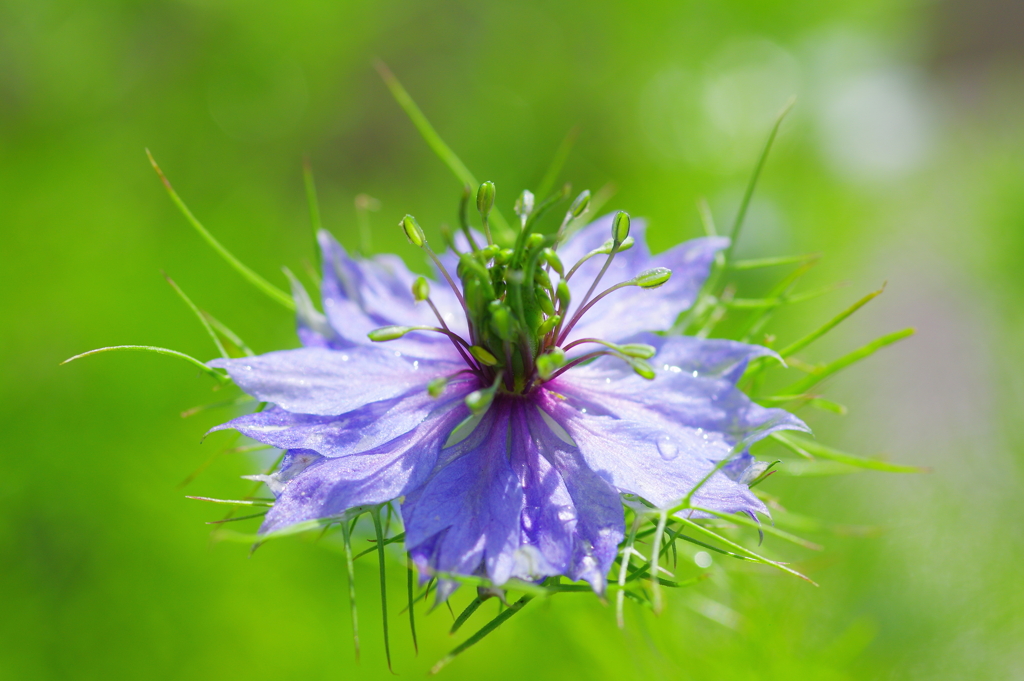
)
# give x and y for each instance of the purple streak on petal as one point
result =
(357, 431)
(657, 463)
(328, 487)
(332, 382)
(631, 310)
(597, 525)
(465, 518)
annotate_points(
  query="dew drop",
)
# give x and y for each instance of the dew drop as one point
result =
(416, 364)
(694, 374)
(668, 449)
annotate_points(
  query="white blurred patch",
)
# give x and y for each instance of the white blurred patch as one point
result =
(872, 112)
(875, 125)
(718, 116)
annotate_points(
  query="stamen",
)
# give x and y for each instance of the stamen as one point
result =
(464, 218)
(479, 401)
(583, 310)
(620, 231)
(444, 326)
(651, 278)
(387, 333)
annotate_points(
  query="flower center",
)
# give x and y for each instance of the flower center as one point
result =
(517, 300)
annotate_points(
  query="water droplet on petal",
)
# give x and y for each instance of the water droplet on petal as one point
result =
(695, 374)
(667, 448)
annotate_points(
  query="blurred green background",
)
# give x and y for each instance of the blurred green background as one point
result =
(902, 162)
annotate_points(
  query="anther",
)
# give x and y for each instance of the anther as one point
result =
(420, 289)
(413, 231)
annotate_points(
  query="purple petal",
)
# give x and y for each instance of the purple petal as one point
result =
(357, 431)
(631, 310)
(360, 295)
(328, 487)
(465, 518)
(711, 407)
(660, 464)
(699, 357)
(329, 382)
(584, 530)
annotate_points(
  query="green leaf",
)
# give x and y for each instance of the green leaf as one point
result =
(375, 515)
(741, 214)
(412, 600)
(740, 549)
(314, 205)
(221, 378)
(229, 334)
(234, 502)
(198, 313)
(767, 529)
(759, 263)
(256, 280)
(558, 162)
(824, 372)
(484, 631)
(812, 450)
(829, 325)
(433, 140)
(350, 568)
(465, 614)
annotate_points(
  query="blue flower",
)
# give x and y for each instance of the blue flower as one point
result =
(488, 412)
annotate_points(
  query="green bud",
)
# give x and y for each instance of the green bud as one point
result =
(436, 386)
(547, 325)
(420, 289)
(386, 333)
(639, 350)
(503, 256)
(653, 278)
(479, 400)
(550, 362)
(534, 240)
(413, 231)
(607, 246)
(490, 251)
(501, 320)
(542, 278)
(581, 204)
(620, 227)
(544, 301)
(552, 259)
(563, 295)
(524, 204)
(642, 368)
(484, 355)
(485, 198)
